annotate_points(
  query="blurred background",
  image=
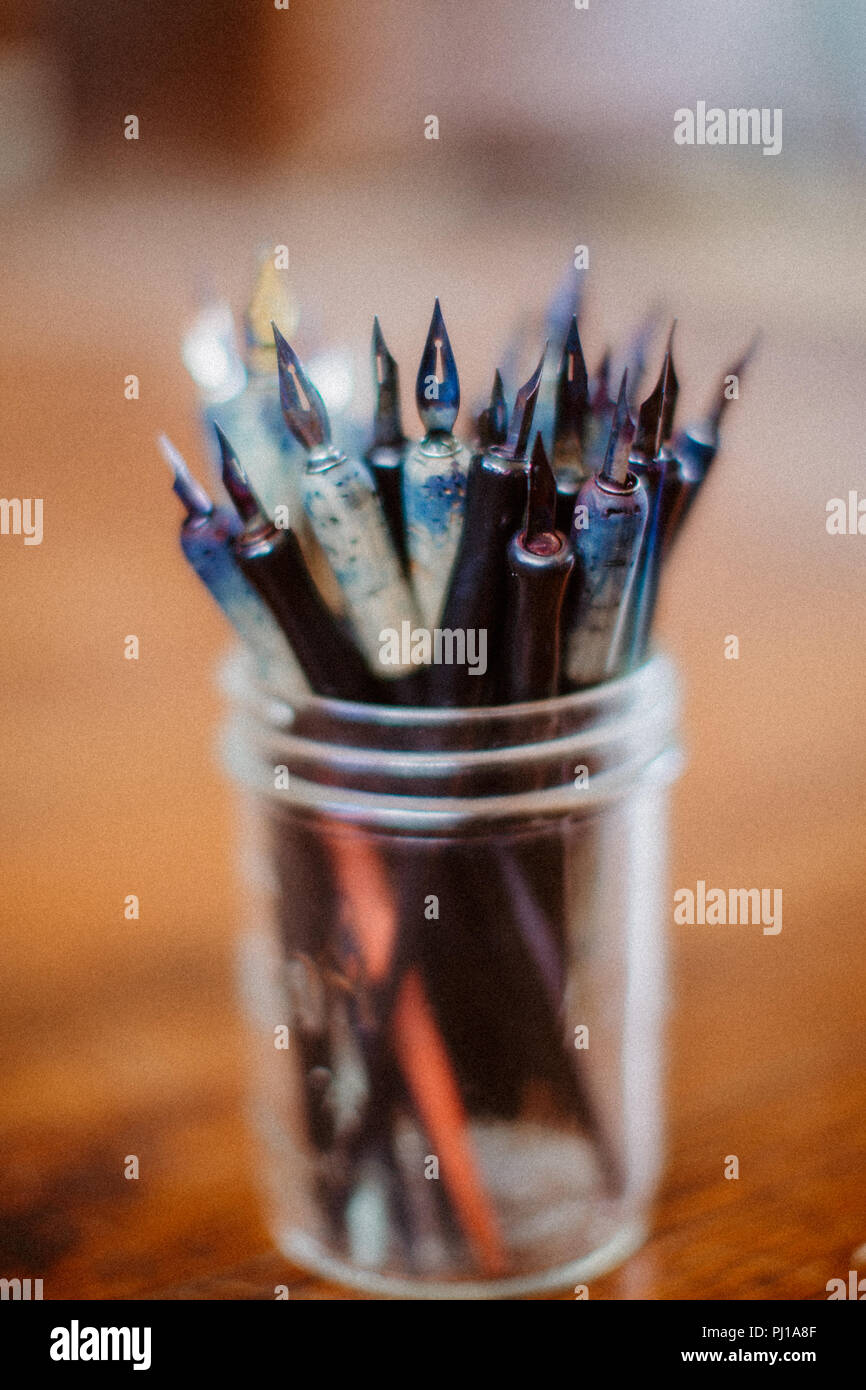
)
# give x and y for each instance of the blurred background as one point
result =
(305, 127)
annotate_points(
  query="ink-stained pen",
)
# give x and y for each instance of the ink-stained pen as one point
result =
(655, 465)
(206, 538)
(340, 498)
(434, 477)
(272, 561)
(495, 501)
(387, 452)
(609, 522)
(570, 428)
(539, 563)
(696, 446)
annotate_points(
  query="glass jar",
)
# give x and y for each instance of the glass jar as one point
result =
(454, 973)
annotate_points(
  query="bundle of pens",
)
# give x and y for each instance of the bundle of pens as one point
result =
(427, 967)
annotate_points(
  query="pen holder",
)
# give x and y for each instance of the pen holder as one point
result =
(454, 973)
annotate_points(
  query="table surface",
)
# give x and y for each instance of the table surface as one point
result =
(123, 1037)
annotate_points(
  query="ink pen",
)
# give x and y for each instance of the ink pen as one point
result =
(387, 451)
(273, 562)
(539, 564)
(340, 498)
(609, 522)
(495, 502)
(492, 424)
(696, 447)
(656, 466)
(246, 406)
(570, 428)
(434, 474)
(206, 538)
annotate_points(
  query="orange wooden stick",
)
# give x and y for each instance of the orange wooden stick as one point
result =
(418, 1043)
(425, 1064)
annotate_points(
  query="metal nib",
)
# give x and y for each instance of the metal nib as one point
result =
(387, 424)
(657, 412)
(303, 408)
(564, 307)
(522, 414)
(601, 399)
(541, 499)
(437, 388)
(670, 392)
(237, 484)
(636, 352)
(722, 400)
(615, 466)
(493, 421)
(188, 489)
(572, 397)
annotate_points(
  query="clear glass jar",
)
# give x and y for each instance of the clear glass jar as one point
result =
(454, 973)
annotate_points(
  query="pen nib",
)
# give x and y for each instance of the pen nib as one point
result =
(572, 398)
(387, 425)
(271, 301)
(670, 392)
(657, 412)
(303, 408)
(601, 397)
(723, 399)
(237, 484)
(188, 489)
(522, 414)
(541, 502)
(493, 421)
(615, 466)
(564, 307)
(437, 388)
(636, 352)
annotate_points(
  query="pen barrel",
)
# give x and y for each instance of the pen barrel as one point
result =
(207, 546)
(532, 638)
(340, 499)
(661, 482)
(323, 649)
(607, 550)
(475, 601)
(385, 463)
(434, 491)
(694, 458)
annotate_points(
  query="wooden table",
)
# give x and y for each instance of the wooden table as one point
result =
(123, 1037)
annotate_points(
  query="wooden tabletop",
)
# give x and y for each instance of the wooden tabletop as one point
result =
(124, 1037)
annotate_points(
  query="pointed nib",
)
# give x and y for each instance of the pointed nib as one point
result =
(387, 424)
(522, 414)
(615, 465)
(650, 422)
(724, 396)
(237, 484)
(572, 398)
(601, 397)
(670, 392)
(541, 502)
(303, 408)
(188, 489)
(493, 422)
(437, 387)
